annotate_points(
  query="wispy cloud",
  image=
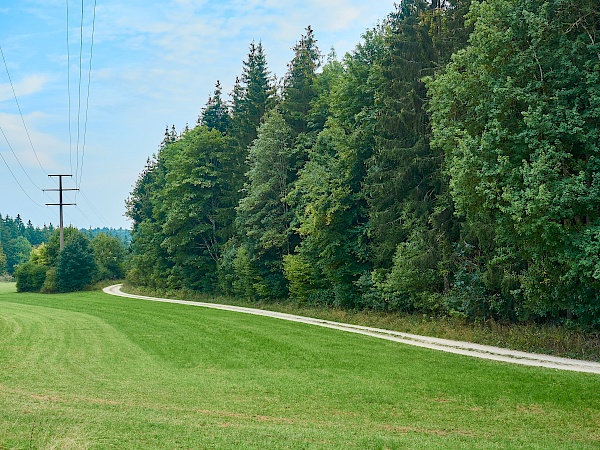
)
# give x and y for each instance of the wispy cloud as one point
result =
(29, 85)
(154, 62)
(47, 146)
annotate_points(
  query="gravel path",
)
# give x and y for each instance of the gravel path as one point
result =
(458, 347)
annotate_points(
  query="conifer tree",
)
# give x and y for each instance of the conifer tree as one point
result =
(251, 97)
(299, 83)
(215, 115)
(401, 182)
(2, 260)
(264, 215)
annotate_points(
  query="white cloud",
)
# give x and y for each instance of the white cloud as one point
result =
(155, 63)
(29, 85)
(47, 147)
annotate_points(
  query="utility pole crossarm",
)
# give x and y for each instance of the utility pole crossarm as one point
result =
(60, 203)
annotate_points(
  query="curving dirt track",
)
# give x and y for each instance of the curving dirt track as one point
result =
(458, 347)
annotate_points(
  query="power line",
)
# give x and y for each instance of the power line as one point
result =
(20, 112)
(79, 94)
(17, 181)
(94, 210)
(69, 90)
(87, 102)
(17, 158)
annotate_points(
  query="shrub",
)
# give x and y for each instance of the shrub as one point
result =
(30, 277)
(50, 284)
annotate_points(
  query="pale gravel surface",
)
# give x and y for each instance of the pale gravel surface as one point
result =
(458, 347)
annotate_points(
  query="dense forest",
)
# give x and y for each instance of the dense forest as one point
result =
(448, 165)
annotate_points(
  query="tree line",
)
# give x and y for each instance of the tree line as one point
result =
(17, 240)
(448, 165)
(81, 262)
(33, 256)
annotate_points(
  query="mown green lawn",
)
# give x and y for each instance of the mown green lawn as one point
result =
(89, 370)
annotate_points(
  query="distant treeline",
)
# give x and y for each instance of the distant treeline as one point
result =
(449, 164)
(17, 240)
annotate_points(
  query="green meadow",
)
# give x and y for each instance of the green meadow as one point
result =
(88, 370)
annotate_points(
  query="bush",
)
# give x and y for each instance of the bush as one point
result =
(50, 284)
(30, 277)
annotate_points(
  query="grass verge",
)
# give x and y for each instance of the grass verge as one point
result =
(535, 338)
(88, 370)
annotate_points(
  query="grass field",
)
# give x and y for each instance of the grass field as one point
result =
(89, 370)
(549, 339)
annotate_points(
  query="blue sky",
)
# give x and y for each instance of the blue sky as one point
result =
(154, 64)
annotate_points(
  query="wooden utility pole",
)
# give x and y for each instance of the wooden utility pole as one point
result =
(61, 204)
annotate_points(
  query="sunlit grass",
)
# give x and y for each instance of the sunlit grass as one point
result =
(90, 370)
(528, 337)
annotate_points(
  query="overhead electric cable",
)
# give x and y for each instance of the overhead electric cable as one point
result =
(17, 181)
(87, 101)
(79, 94)
(17, 158)
(83, 214)
(20, 112)
(69, 90)
(94, 210)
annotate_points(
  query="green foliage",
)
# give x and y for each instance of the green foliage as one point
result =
(215, 114)
(17, 240)
(299, 85)
(414, 282)
(52, 248)
(30, 277)
(447, 165)
(401, 184)
(139, 204)
(149, 263)
(109, 254)
(252, 97)
(264, 216)
(17, 251)
(516, 115)
(39, 255)
(50, 285)
(3, 265)
(195, 208)
(306, 285)
(329, 207)
(75, 266)
(50, 269)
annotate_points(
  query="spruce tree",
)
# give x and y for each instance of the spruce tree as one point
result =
(264, 215)
(215, 115)
(2, 260)
(299, 88)
(251, 97)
